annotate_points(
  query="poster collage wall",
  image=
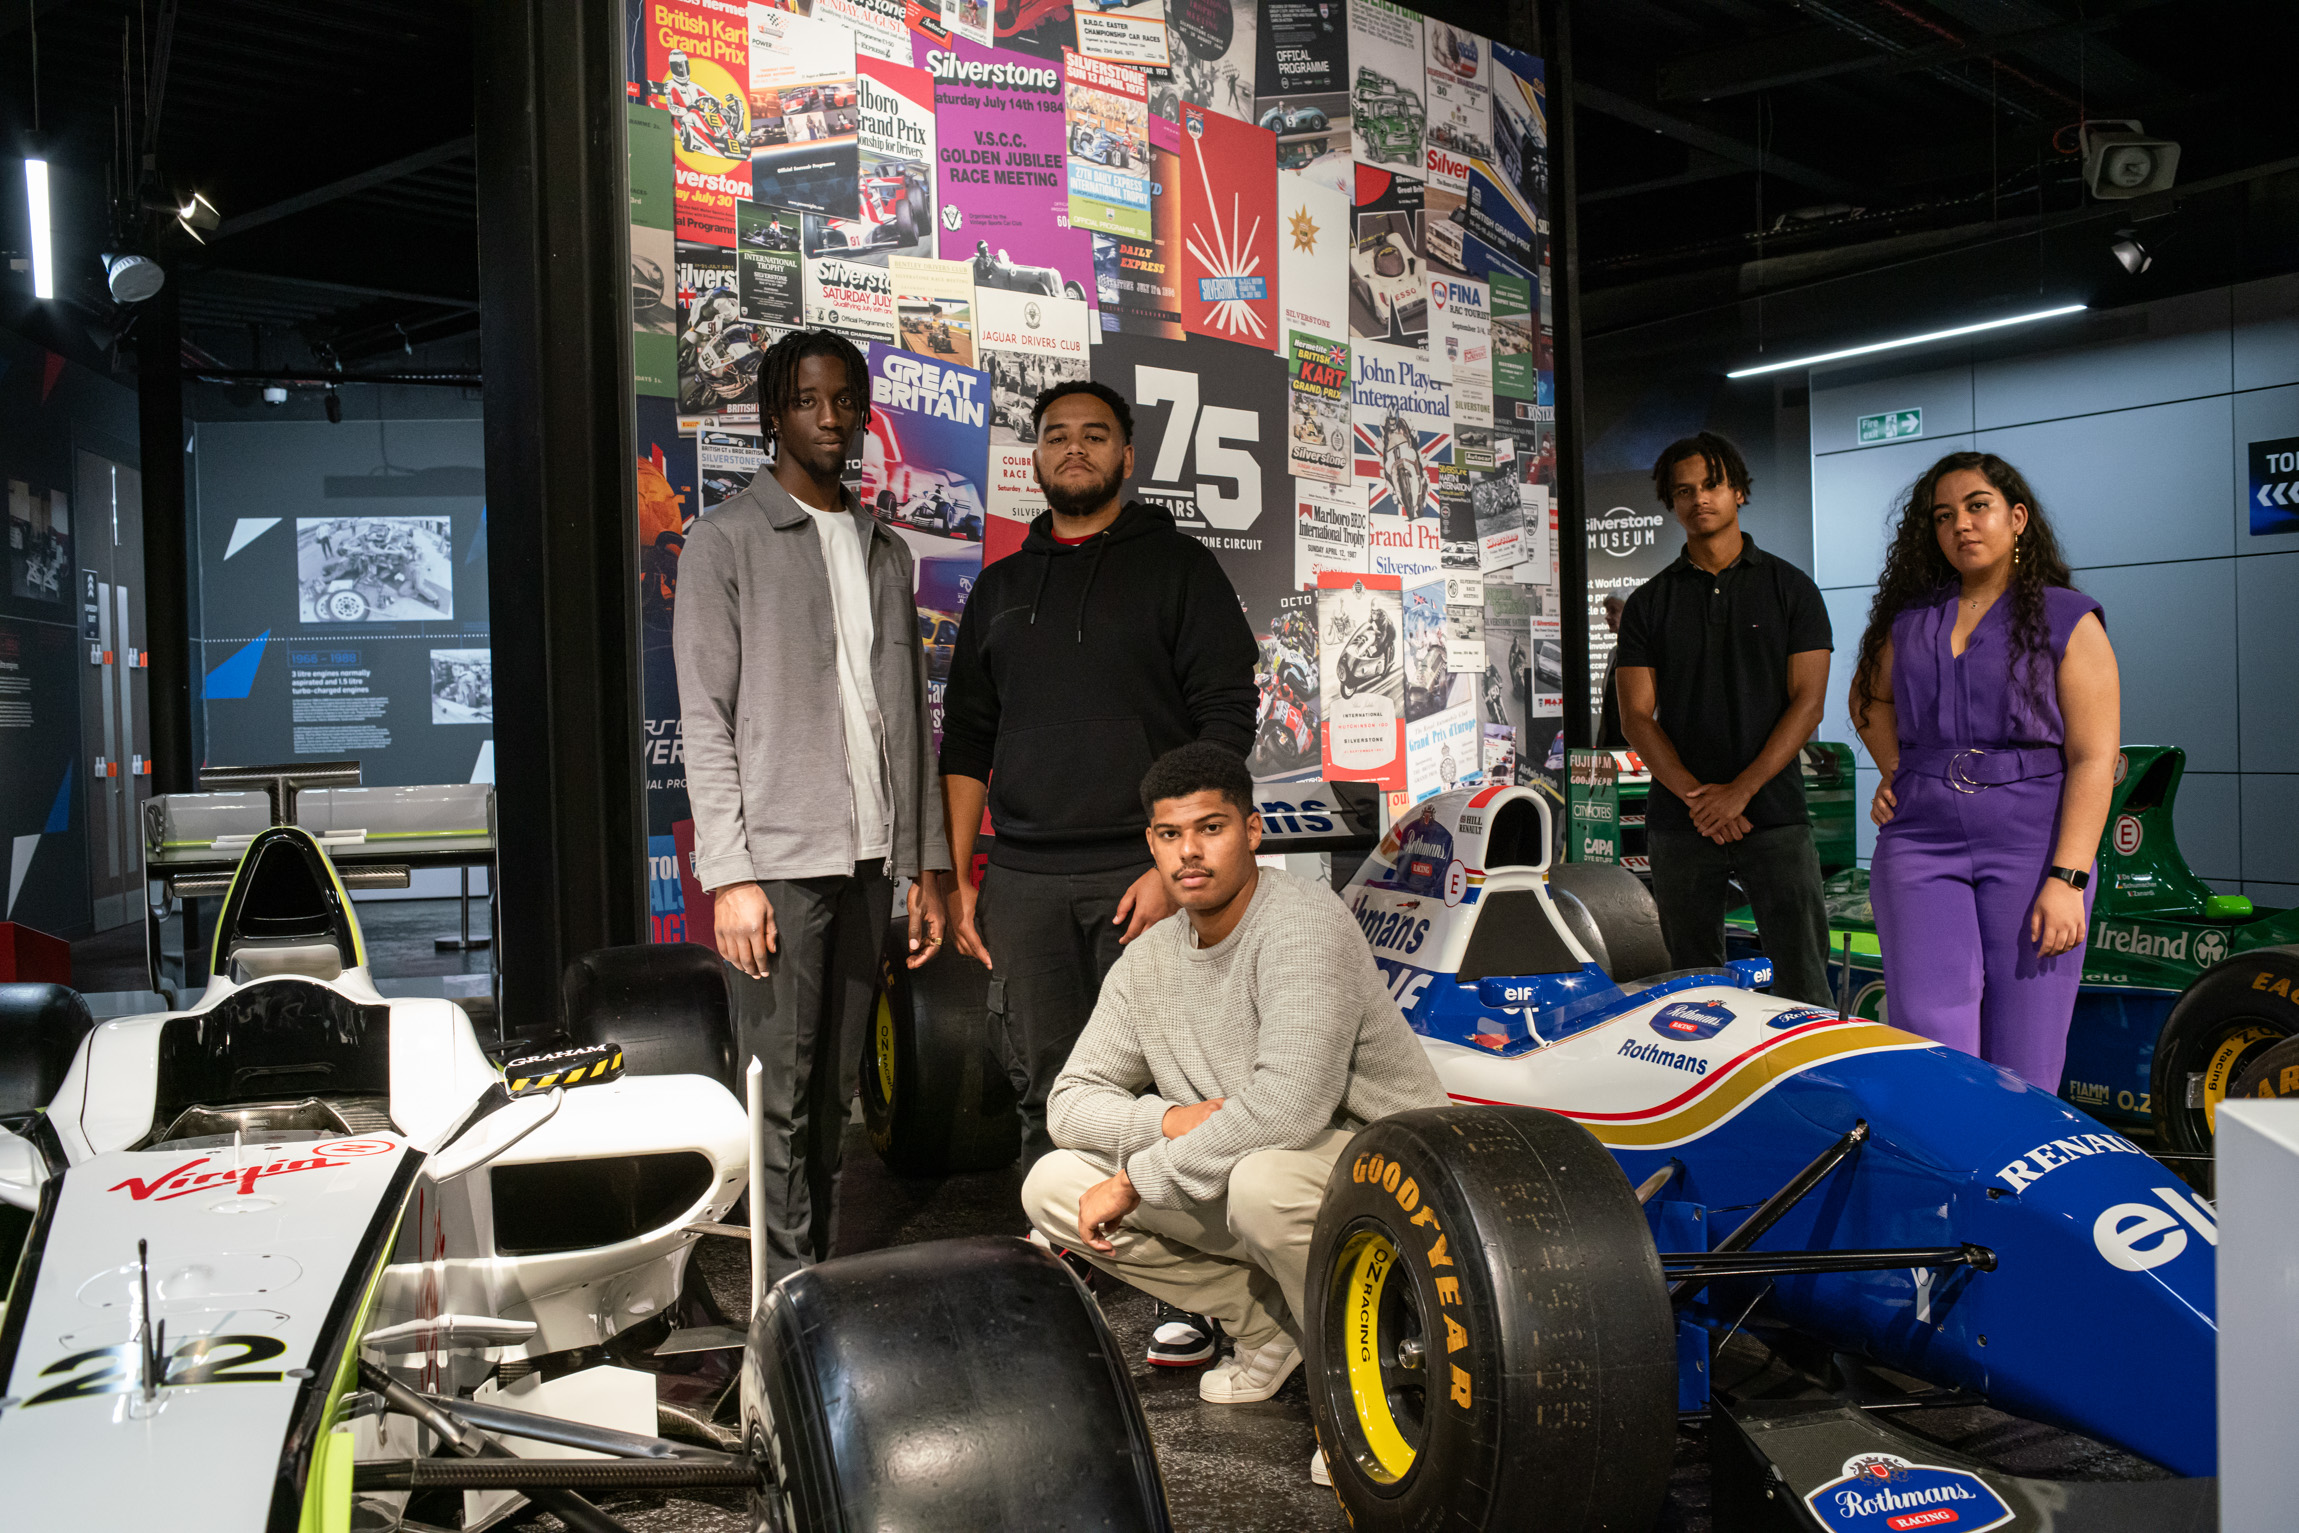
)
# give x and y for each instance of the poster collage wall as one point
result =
(1307, 239)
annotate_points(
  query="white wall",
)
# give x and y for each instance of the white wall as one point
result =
(2134, 428)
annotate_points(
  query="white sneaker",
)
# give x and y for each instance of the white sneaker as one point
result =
(1317, 1474)
(1246, 1376)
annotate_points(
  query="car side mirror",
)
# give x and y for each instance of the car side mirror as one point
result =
(488, 1138)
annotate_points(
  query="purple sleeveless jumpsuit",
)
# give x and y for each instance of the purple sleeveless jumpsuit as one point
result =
(1958, 866)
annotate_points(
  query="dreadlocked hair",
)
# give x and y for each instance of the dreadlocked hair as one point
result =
(1916, 572)
(778, 373)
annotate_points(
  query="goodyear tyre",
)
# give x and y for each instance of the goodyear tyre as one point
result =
(953, 1384)
(2233, 1013)
(934, 1093)
(1490, 1342)
(2272, 1076)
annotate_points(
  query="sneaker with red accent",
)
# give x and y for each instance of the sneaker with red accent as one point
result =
(1179, 1339)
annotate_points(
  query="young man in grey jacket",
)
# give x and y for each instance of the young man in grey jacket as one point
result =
(1233, 1051)
(802, 699)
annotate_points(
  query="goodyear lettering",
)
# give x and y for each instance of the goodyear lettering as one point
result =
(2050, 1157)
(1460, 1386)
(2269, 984)
(1456, 1334)
(1653, 1054)
(1409, 1195)
(1438, 1256)
(1426, 1216)
(1448, 1290)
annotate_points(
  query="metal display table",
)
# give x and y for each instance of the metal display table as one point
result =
(375, 837)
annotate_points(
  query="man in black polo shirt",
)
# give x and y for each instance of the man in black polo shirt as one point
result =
(1722, 668)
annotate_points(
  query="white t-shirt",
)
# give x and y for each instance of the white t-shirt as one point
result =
(841, 537)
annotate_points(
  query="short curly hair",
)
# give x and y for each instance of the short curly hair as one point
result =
(1723, 460)
(1101, 391)
(1194, 768)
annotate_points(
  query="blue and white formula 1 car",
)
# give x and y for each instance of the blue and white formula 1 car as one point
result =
(303, 1259)
(1500, 1325)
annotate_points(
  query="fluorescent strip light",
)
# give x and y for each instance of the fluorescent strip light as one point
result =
(43, 247)
(1911, 340)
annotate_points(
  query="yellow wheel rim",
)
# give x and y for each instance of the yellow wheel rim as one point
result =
(1370, 1259)
(882, 1045)
(2220, 1073)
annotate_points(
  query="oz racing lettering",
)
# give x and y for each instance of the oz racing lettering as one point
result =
(1388, 1175)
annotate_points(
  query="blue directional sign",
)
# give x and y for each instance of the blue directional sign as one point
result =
(2275, 486)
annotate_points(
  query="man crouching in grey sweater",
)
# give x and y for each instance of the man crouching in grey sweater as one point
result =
(1235, 1048)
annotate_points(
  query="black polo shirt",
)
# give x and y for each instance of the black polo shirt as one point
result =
(1718, 646)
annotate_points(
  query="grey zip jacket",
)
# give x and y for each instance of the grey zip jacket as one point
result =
(757, 655)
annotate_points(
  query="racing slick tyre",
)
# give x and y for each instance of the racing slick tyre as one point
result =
(663, 1004)
(41, 1027)
(1613, 904)
(1490, 1343)
(954, 1384)
(935, 1095)
(2233, 1013)
(2272, 1075)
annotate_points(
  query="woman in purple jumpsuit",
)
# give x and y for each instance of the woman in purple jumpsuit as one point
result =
(1986, 692)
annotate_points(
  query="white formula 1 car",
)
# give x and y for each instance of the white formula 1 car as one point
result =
(304, 1259)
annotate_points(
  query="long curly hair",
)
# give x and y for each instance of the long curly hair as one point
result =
(1916, 572)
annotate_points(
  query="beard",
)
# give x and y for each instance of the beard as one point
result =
(1075, 499)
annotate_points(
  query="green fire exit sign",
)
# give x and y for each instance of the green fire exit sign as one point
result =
(1891, 426)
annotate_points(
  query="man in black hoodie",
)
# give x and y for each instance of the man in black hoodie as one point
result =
(1110, 638)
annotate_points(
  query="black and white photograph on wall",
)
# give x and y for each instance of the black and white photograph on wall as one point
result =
(39, 542)
(374, 569)
(654, 285)
(462, 686)
(1016, 380)
(720, 349)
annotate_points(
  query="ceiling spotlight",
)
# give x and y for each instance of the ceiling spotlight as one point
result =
(2129, 253)
(2121, 161)
(274, 394)
(334, 408)
(133, 278)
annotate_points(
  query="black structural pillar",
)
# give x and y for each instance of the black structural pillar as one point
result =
(1565, 311)
(562, 576)
(167, 567)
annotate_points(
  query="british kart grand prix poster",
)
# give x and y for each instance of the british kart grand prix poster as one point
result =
(697, 69)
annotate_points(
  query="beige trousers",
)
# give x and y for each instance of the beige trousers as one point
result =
(1243, 1260)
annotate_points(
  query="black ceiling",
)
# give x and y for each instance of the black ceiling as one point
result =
(1726, 147)
(335, 140)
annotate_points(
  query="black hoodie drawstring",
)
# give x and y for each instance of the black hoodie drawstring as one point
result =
(1044, 569)
(1101, 541)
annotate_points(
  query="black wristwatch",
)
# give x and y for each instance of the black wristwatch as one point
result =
(2075, 878)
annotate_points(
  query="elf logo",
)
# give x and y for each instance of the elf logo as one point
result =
(2138, 1236)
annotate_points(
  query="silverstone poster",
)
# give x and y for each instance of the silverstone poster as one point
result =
(697, 70)
(934, 308)
(1002, 188)
(1125, 32)
(1229, 229)
(1312, 256)
(1107, 110)
(1317, 433)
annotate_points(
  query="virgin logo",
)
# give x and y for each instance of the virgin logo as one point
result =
(200, 1175)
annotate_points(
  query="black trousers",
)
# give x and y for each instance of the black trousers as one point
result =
(1052, 938)
(805, 1023)
(1780, 869)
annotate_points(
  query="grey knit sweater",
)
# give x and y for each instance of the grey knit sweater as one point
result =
(1287, 1019)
